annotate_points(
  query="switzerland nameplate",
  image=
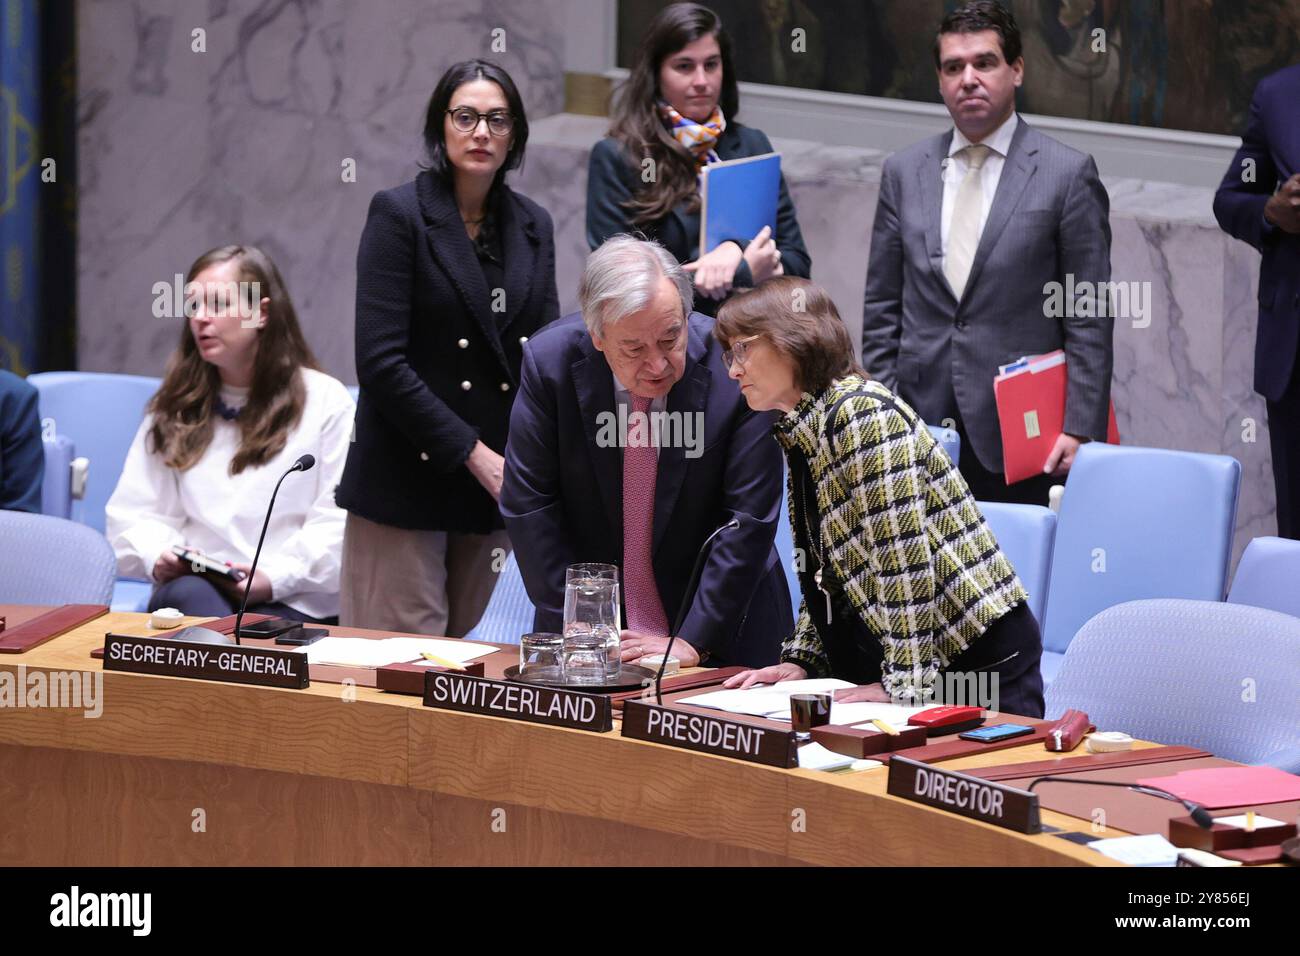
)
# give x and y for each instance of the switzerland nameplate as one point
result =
(265, 666)
(711, 735)
(449, 690)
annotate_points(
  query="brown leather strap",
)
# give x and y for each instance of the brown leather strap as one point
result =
(1106, 761)
(25, 636)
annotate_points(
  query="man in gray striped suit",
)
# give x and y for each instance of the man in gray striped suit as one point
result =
(973, 231)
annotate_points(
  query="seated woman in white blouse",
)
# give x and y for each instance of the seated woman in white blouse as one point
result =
(241, 401)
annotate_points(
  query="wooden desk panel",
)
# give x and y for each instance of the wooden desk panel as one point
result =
(313, 777)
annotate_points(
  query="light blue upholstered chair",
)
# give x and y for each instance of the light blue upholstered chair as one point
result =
(949, 439)
(1025, 533)
(1268, 575)
(47, 560)
(1221, 677)
(1138, 523)
(100, 413)
(56, 484)
(509, 613)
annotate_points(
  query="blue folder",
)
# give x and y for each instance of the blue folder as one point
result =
(738, 197)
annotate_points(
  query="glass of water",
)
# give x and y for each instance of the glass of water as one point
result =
(541, 656)
(591, 624)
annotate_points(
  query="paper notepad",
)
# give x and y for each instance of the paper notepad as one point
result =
(360, 652)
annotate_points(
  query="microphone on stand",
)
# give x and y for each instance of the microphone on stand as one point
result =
(207, 635)
(687, 598)
(1197, 812)
(305, 463)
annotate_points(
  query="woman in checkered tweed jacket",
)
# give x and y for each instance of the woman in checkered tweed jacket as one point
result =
(905, 590)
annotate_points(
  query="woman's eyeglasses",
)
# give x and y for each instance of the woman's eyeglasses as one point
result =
(738, 352)
(466, 120)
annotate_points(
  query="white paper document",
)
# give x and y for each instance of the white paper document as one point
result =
(767, 700)
(773, 702)
(361, 652)
(1149, 849)
(817, 757)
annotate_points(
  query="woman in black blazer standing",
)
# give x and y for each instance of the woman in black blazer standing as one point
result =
(455, 271)
(673, 116)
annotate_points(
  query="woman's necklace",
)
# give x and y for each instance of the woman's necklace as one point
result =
(225, 411)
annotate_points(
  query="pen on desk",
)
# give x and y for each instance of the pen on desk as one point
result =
(884, 727)
(442, 661)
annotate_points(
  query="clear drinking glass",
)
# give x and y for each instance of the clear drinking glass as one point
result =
(591, 624)
(541, 655)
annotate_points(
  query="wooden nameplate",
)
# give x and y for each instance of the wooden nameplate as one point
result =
(704, 731)
(867, 741)
(47, 626)
(408, 678)
(229, 663)
(456, 690)
(1184, 831)
(957, 792)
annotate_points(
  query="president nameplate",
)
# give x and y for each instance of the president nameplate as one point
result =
(231, 663)
(995, 803)
(707, 734)
(449, 690)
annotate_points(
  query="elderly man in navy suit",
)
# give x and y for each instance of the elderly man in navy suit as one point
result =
(629, 446)
(1259, 203)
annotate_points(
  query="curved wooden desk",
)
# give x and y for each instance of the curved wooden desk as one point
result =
(180, 772)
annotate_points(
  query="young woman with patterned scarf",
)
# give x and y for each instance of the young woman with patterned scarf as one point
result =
(906, 592)
(676, 114)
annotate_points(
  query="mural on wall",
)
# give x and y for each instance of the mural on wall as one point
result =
(1178, 64)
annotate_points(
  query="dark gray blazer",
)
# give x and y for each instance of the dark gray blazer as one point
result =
(1048, 220)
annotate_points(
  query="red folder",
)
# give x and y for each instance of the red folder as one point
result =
(1217, 787)
(1031, 413)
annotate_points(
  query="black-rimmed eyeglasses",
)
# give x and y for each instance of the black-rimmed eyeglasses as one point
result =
(499, 122)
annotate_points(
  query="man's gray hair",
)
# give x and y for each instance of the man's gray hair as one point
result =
(621, 277)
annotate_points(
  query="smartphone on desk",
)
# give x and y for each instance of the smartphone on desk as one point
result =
(302, 636)
(271, 627)
(988, 735)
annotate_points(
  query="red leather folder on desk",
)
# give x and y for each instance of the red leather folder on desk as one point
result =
(44, 626)
(1030, 396)
(1217, 787)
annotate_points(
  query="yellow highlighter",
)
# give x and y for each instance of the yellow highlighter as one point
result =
(884, 727)
(442, 661)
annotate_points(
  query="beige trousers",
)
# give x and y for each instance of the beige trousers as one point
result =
(417, 582)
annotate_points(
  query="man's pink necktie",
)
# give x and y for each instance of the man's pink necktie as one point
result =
(645, 611)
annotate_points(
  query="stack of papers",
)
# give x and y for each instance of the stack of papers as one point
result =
(765, 700)
(361, 652)
(772, 701)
